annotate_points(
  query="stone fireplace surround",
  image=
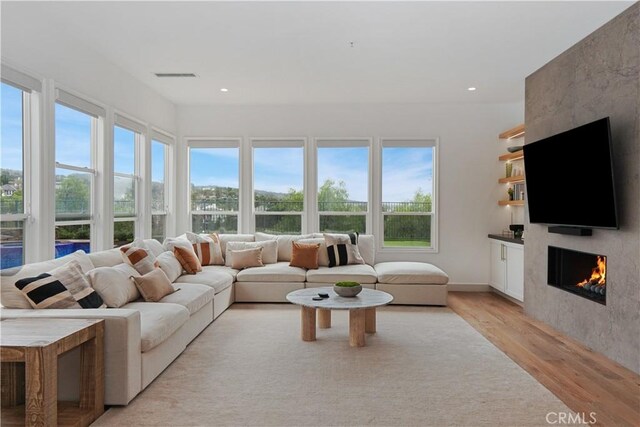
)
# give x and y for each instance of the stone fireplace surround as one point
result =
(597, 77)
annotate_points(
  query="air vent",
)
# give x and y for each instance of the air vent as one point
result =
(175, 74)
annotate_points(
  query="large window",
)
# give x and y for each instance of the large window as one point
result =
(158, 190)
(75, 136)
(278, 183)
(408, 193)
(12, 200)
(215, 183)
(125, 184)
(343, 185)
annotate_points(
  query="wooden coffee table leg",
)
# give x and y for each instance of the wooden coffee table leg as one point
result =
(356, 327)
(308, 323)
(324, 318)
(370, 320)
(41, 377)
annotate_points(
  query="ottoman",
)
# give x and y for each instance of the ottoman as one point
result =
(413, 283)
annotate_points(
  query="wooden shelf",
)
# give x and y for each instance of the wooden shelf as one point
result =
(515, 132)
(511, 202)
(512, 156)
(511, 179)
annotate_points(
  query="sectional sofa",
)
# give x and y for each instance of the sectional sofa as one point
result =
(143, 338)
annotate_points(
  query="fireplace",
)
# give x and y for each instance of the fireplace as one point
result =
(580, 273)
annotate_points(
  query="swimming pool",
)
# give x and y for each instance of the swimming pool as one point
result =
(11, 253)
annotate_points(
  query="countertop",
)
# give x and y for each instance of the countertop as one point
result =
(506, 239)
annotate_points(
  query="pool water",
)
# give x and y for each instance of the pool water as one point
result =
(11, 253)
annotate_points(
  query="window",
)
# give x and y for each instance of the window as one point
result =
(12, 197)
(278, 183)
(343, 185)
(158, 190)
(215, 186)
(75, 135)
(125, 184)
(408, 193)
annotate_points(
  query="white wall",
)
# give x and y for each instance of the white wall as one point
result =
(469, 168)
(77, 67)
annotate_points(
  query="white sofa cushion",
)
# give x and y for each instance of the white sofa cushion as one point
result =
(269, 250)
(113, 284)
(279, 272)
(11, 297)
(221, 269)
(217, 280)
(191, 296)
(361, 273)
(367, 248)
(225, 238)
(158, 321)
(107, 258)
(154, 246)
(168, 262)
(410, 273)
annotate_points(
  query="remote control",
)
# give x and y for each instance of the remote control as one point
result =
(322, 295)
(317, 298)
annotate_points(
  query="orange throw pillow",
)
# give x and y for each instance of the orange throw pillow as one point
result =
(304, 255)
(188, 259)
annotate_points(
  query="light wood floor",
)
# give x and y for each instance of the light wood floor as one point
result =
(584, 380)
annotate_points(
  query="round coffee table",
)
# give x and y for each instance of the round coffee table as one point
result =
(362, 311)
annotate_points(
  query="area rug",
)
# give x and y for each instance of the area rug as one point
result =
(425, 366)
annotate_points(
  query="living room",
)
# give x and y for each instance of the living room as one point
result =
(243, 124)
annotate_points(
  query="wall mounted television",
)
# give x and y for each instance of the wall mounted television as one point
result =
(569, 178)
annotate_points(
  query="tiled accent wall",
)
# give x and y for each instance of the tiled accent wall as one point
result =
(597, 77)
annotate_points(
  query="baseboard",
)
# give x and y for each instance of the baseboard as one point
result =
(505, 296)
(469, 287)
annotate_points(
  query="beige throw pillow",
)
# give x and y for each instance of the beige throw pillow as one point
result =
(245, 258)
(269, 250)
(113, 284)
(207, 248)
(139, 256)
(153, 286)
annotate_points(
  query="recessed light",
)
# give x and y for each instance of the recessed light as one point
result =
(224, 89)
(471, 89)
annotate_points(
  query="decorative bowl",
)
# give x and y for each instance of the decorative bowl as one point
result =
(347, 289)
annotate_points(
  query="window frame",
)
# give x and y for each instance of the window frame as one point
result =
(139, 131)
(336, 142)
(97, 113)
(29, 88)
(213, 143)
(386, 142)
(168, 142)
(280, 142)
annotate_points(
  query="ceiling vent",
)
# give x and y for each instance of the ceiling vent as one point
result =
(175, 74)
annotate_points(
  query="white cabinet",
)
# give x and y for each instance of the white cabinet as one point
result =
(507, 268)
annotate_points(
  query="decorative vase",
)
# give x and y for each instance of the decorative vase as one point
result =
(508, 169)
(347, 291)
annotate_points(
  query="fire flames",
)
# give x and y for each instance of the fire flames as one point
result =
(598, 274)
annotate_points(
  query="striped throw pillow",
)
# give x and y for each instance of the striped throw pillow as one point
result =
(207, 248)
(139, 256)
(342, 249)
(63, 287)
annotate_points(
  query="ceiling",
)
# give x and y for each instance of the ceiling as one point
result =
(301, 52)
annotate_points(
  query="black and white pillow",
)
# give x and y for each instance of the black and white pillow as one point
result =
(342, 249)
(64, 287)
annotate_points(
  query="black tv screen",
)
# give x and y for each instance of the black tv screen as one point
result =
(569, 178)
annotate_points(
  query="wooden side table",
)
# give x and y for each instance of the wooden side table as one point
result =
(37, 343)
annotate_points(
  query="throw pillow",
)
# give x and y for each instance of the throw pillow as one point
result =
(342, 249)
(323, 256)
(168, 262)
(188, 259)
(139, 256)
(113, 284)
(63, 287)
(207, 248)
(245, 258)
(269, 250)
(170, 243)
(304, 255)
(154, 285)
